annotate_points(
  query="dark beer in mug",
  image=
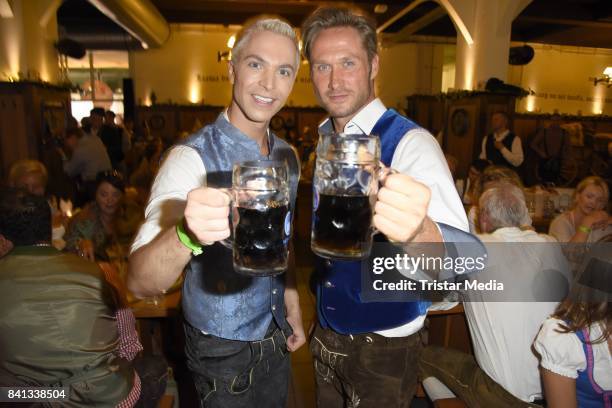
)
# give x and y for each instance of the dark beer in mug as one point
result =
(342, 226)
(260, 241)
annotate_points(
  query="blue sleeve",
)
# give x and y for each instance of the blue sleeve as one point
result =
(460, 244)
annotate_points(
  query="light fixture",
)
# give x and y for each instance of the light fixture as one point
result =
(606, 79)
(231, 41)
(224, 55)
(380, 8)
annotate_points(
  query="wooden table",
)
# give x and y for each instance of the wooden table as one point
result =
(168, 306)
(156, 319)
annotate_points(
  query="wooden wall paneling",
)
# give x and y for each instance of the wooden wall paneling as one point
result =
(436, 116)
(284, 124)
(462, 138)
(13, 135)
(161, 121)
(525, 127)
(192, 119)
(604, 126)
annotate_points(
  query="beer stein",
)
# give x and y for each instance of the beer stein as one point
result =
(345, 186)
(260, 217)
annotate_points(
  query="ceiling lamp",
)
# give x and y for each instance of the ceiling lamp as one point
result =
(380, 8)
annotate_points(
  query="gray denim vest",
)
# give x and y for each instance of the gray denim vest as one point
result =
(216, 299)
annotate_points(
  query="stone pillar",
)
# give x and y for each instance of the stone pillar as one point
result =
(483, 38)
(27, 41)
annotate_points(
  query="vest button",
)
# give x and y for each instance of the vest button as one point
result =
(328, 264)
(274, 291)
(328, 284)
(273, 307)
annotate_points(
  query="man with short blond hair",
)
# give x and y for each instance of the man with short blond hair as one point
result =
(238, 329)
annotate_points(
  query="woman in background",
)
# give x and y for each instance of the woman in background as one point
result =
(32, 176)
(587, 221)
(97, 228)
(470, 192)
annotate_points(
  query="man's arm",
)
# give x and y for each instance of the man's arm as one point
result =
(158, 257)
(483, 149)
(421, 205)
(154, 267)
(292, 305)
(74, 166)
(515, 157)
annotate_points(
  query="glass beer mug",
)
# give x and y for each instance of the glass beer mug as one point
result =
(345, 185)
(260, 217)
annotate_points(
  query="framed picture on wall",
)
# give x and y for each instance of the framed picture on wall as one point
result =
(54, 120)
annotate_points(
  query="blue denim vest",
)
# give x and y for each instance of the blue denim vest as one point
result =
(338, 291)
(216, 299)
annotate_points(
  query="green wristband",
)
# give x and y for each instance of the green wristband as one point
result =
(585, 229)
(196, 248)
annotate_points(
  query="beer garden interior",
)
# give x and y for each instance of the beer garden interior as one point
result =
(165, 69)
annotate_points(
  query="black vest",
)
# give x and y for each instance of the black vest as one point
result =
(495, 156)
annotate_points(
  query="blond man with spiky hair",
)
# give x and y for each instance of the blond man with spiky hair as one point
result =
(238, 329)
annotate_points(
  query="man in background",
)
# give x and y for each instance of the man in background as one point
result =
(86, 156)
(552, 145)
(503, 371)
(56, 326)
(502, 147)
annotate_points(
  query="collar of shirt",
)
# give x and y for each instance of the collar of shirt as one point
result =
(226, 117)
(363, 122)
(501, 136)
(514, 234)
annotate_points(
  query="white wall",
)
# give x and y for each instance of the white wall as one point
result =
(27, 41)
(409, 68)
(560, 77)
(185, 69)
(172, 71)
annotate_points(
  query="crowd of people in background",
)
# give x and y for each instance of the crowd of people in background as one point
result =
(88, 196)
(108, 171)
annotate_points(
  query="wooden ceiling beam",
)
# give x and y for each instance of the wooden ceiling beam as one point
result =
(410, 29)
(564, 21)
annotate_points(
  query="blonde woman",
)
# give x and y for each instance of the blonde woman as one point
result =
(32, 176)
(587, 221)
(29, 175)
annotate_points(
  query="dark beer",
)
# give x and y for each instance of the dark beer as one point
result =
(260, 241)
(342, 226)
